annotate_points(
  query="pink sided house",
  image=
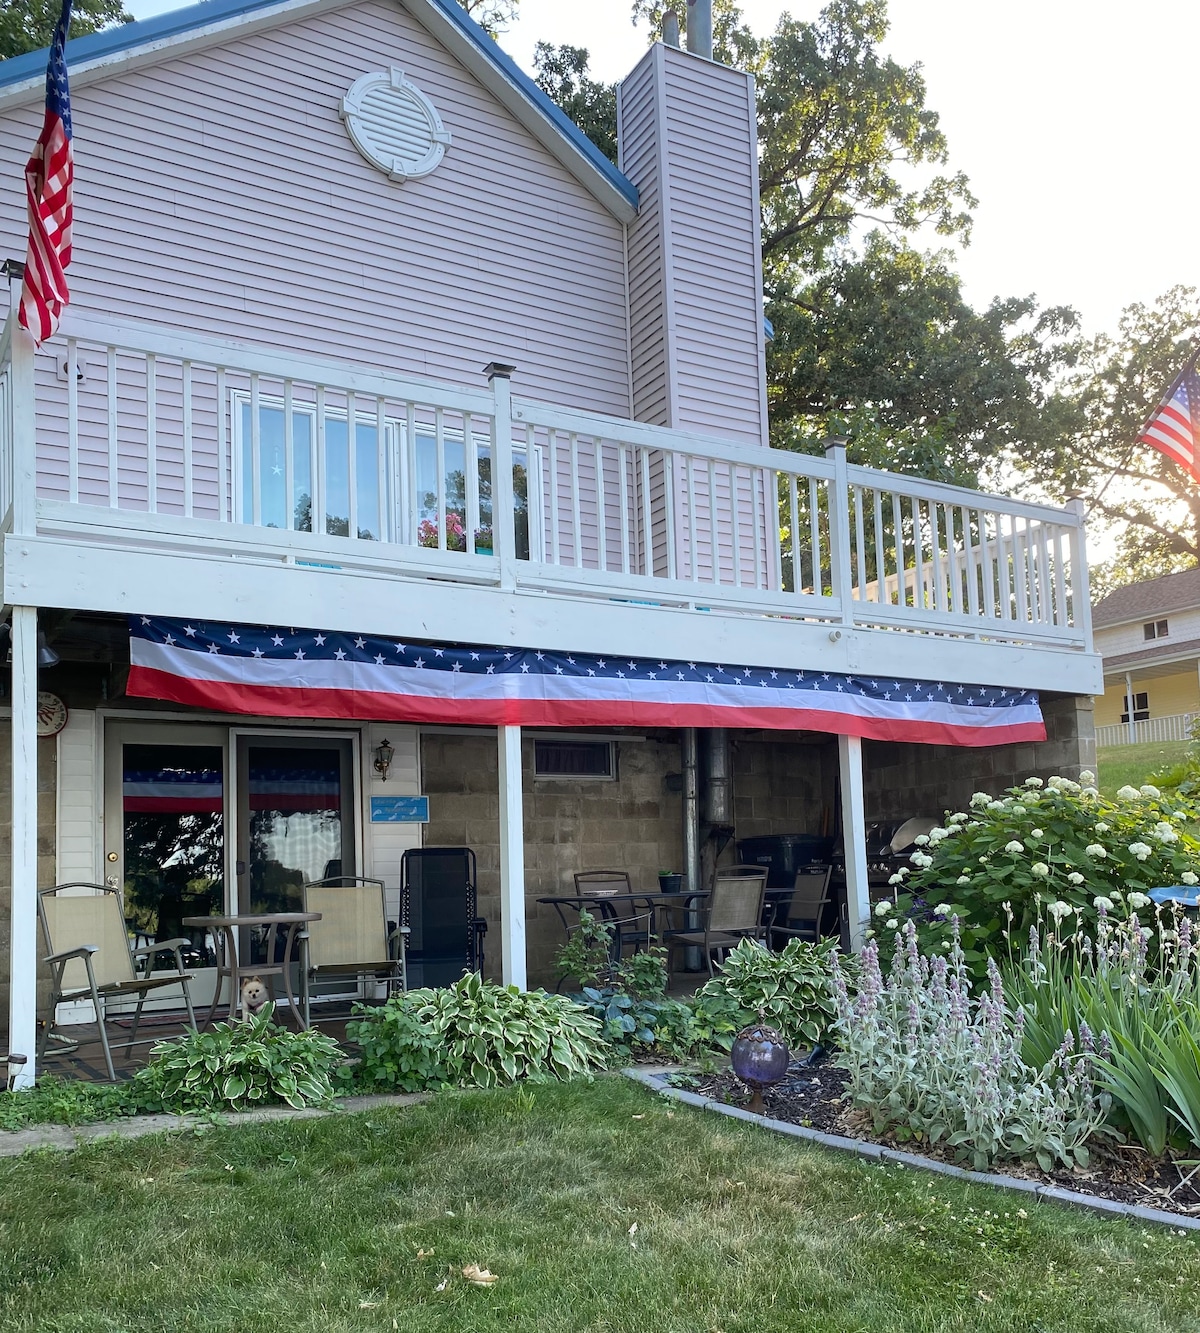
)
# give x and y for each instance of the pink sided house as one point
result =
(400, 476)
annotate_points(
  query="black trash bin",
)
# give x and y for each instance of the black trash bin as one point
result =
(785, 853)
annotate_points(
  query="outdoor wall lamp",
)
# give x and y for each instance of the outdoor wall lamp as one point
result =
(46, 656)
(384, 754)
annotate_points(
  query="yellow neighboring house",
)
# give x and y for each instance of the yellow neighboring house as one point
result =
(1149, 635)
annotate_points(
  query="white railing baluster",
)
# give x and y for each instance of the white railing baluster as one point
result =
(576, 533)
(969, 562)
(794, 533)
(668, 476)
(953, 564)
(439, 440)
(1020, 571)
(382, 470)
(289, 458)
(714, 531)
(1045, 590)
(601, 507)
(471, 469)
(152, 433)
(814, 534)
(352, 465)
(1060, 580)
(623, 465)
(935, 558)
(72, 421)
(881, 592)
(410, 511)
(986, 561)
(901, 570)
(255, 452)
(919, 592)
(320, 520)
(693, 563)
(860, 546)
(222, 449)
(189, 462)
(735, 528)
(555, 536)
(114, 461)
(647, 524)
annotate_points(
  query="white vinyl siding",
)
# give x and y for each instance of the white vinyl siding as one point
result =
(77, 823)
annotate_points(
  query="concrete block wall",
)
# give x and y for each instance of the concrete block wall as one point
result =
(904, 780)
(782, 786)
(633, 824)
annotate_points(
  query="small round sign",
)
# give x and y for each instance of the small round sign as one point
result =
(51, 714)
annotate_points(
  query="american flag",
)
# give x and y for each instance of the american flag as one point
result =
(1174, 429)
(48, 177)
(305, 673)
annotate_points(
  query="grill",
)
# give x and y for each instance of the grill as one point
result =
(889, 845)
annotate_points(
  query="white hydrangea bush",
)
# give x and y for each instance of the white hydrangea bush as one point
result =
(1047, 850)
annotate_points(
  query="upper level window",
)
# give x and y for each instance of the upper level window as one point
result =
(1155, 629)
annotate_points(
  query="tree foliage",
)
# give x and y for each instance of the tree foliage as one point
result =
(872, 338)
(28, 25)
(493, 16)
(1093, 451)
(562, 73)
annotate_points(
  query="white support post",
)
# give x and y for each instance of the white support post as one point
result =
(1129, 720)
(512, 858)
(854, 839)
(840, 560)
(504, 526)
(22, 986)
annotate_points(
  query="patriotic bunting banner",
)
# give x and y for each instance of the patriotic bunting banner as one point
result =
(305, 673)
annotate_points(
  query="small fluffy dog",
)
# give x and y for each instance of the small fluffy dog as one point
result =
(253, 996)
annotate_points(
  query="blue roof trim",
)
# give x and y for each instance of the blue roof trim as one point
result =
(129, 36)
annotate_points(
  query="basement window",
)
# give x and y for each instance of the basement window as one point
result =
(1155, 629)
(574, 759)
(1141, 708)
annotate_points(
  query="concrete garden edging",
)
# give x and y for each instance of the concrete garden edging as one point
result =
(876, 1152)
(14, 1142)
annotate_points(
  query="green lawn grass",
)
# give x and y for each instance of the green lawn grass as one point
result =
(316, 1225)
(1131, 765)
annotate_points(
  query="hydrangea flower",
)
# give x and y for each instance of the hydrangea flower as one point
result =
(1102, 904)
(1018, 809)
(1034, 782)
(1094, 849)
(1088, 778)
(1138, 900)
(1140, 850)
(1040, 869)
(1188, 877)
(1074, 877)
(995, 805)
(1014, 846)
(921, 859)
(895, 879)
(892, 923)
(1128, 793)
(963, 879)
(921, 839)
(943, 909)
(883, 908)
(980, 798)
(1102, 827)
(1036, 833)
(959, 818)
(1059, 909)
(937, 834)
(1163, 832)
(1151, 791)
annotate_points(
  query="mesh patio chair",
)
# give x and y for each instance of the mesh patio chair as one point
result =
(629, 926)
(439, 908)
(733, 912)
(352, 938)
(90, 958)
(799, 916)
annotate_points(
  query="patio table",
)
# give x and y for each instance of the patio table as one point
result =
(225, 942)
(604, 905)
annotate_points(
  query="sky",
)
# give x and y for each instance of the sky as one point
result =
(1070, 118)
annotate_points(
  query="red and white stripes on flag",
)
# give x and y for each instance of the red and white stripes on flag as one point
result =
(49, 175)
(1174, 429)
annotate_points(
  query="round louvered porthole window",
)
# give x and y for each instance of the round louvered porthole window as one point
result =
(394, 125)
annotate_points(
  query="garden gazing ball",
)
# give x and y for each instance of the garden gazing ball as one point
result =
(760, 1057)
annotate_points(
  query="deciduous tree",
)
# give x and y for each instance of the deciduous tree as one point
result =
(28, 25)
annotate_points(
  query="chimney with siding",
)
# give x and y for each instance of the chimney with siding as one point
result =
(688, 140)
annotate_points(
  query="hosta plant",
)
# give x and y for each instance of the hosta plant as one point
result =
(474, 1034)
(1049, 850)
(791, 990)
(240, 1064)
(933, 1062)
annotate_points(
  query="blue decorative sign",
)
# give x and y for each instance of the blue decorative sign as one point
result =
(399, 809)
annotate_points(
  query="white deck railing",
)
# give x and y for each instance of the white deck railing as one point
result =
(137, 433)
(1173, 727)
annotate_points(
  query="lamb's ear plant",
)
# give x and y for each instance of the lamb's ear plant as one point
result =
(240, 1064)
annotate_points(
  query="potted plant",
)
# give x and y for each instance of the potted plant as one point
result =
(670, 881)
(483, 541)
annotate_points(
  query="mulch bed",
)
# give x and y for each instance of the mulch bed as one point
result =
(815, 1098)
